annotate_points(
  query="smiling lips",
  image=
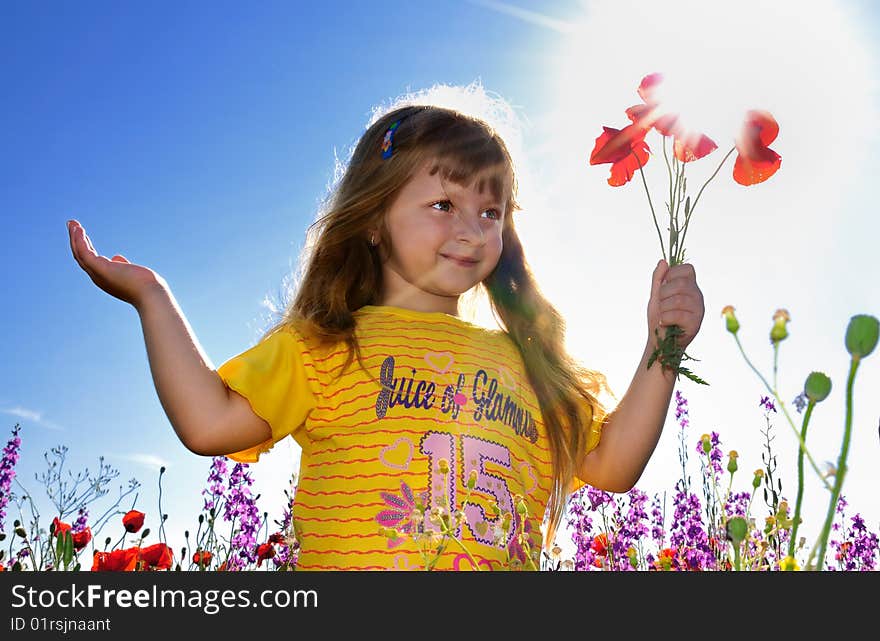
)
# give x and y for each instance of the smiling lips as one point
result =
(464, 262)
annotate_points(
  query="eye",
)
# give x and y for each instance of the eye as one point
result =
(496, 214)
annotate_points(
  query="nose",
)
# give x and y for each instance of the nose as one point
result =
(467, 231)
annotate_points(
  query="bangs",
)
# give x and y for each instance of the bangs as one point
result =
(474, 159)
(496, 179)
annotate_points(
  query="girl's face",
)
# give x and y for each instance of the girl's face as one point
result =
(445, 240)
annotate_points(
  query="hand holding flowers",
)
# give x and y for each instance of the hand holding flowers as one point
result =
(627, 152)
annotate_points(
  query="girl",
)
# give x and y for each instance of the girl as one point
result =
(446, 442)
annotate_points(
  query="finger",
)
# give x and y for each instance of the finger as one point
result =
(657, 277)
(678, 317)
(119, 258)
(74, 245)
(89, 242)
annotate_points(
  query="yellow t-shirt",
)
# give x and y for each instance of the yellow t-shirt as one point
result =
(447, 389)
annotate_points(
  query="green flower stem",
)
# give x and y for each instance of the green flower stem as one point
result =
(737, 561)
(651, 205)
(800, 492)
(785, 412)
(841, 463)
(699, 193)
(668, 171)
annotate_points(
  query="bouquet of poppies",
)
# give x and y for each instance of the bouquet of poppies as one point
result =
(627, 152)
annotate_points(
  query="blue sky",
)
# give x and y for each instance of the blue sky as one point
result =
(198, 138)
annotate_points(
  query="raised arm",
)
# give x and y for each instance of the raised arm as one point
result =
(208, 418)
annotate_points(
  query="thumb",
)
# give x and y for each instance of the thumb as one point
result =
(659, 273)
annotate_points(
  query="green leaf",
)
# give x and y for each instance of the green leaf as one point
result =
(68, 548)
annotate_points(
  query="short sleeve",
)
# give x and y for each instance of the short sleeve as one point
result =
(273, 377)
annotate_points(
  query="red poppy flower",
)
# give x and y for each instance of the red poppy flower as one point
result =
(688, 145)
(624, 148)
(81, 538)
(133, 520)
(202, 557)
(2, 568)
(59, 526)
(222, 567)
(115, 561)
(600, 544)
(156, 557)
(265, 551)
(278, 537)
(755, 161)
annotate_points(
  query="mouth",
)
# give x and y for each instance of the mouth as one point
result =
(463, 262)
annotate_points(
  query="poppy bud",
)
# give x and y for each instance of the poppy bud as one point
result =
(861, 335)
(732, 323)
(789, 564)
(731, 464)
(756, 481)
(779, 331)
(521, 507)
(706, 440)
(817, 387)
(443, 466)
(472, 480)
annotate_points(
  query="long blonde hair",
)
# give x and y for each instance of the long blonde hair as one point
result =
(343, 271)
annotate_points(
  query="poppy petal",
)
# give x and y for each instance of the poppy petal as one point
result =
(616, 144)
(756, 168)
(648, 86)
(623, 170)
(761, 126)
(693, 146)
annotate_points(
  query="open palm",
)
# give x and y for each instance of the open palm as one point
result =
(116, 276)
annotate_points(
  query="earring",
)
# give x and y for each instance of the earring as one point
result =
(373, 240)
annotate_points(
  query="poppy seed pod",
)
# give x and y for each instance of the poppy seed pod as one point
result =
(779, 331)
(756, 481)
(731, 464)
(706, 441)
(817, 387)
(861, 335)
(737, 528)
(732, 323)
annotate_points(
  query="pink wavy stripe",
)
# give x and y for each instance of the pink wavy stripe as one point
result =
(339, 507)
(430, 343)
(483, 428)
(313, 566)
(315, 535)
(510, 477)
(318, 519)
(348, 477)
(505, 361)
(300, 490)
(394, 321)
(360, 552)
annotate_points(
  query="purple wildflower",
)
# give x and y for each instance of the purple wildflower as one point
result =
(681, 410)
(242, 505)
(767, 404)
(7, 470)
(800, 402)
(81, 520)
(215, 487)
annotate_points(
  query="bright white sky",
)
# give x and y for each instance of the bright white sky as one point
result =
(803, 240)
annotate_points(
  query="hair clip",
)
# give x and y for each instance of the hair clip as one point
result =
(388, 142)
